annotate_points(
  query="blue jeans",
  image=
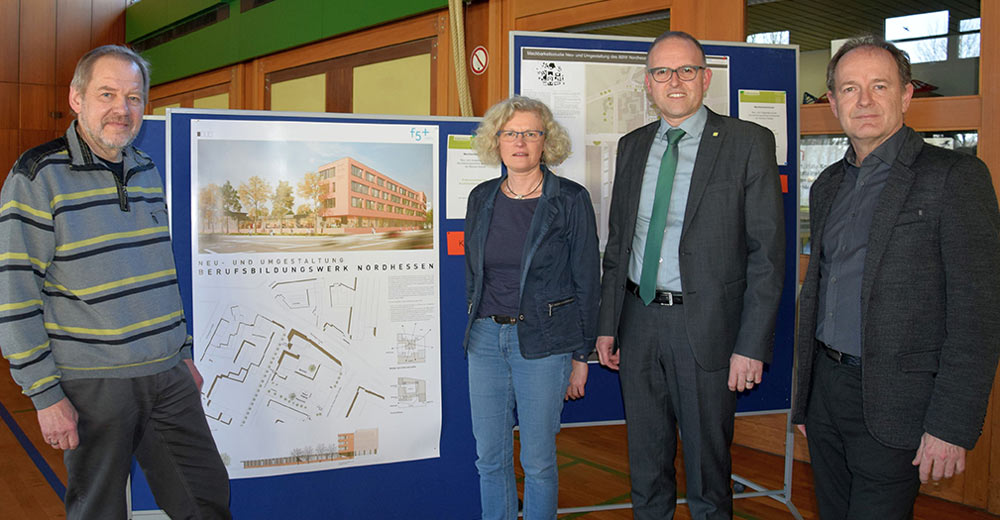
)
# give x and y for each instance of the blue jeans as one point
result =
(500, 380)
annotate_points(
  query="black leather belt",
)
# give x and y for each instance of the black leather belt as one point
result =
(503, 320)
(841, 357)
(667, 298)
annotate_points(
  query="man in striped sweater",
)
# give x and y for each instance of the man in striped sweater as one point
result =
(91, 319)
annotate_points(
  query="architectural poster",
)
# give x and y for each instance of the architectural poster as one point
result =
(315, 292)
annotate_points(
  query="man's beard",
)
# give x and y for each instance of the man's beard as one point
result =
(119, 140)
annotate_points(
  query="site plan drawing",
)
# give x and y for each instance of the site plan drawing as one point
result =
(316, 331)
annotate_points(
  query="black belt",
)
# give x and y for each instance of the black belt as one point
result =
(503, 320)
(841, 357)
(667, 298)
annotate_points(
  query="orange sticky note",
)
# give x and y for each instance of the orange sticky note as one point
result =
(456, 242)
(784, 183)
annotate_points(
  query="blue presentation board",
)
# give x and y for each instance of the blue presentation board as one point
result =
(152, 139)
(443, 487)
(753, 67)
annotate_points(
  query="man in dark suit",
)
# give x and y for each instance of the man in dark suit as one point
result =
(899, 313)
(693, 274)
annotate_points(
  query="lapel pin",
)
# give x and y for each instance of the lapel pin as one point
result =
(715, 134)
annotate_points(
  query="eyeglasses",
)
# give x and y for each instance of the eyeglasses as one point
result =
(684, 73)
(530, 136)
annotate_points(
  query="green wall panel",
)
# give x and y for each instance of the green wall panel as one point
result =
(145, 17)
(193, 53)
(267, 29)
(280, 25)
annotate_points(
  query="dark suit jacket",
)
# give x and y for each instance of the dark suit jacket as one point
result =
(930, 297)
(732, 246)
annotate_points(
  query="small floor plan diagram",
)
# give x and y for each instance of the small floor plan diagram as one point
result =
(411, 391)
(410, 347)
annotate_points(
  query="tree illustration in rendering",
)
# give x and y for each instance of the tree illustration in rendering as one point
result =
(210, 207)
(254, 195)
(230, 203)
(312, 190)
(282, 202)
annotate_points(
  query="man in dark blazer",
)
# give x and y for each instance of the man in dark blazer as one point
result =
(685, 349)
(899, 313)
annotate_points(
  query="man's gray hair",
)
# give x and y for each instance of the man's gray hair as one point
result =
(85, 67)
(870, 41)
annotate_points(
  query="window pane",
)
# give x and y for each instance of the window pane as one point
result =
(162, 109)
(306, 94)
(968, 46)
(216, 101)
(780, 37)
(916, 25)
(972, 24)
(926, 51)
(377, 87)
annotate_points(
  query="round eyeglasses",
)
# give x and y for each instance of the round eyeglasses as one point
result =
(530, 136)
(684, 73)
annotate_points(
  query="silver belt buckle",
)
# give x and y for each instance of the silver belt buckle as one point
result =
(670, 299)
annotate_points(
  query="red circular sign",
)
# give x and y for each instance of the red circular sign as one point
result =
(479, 60)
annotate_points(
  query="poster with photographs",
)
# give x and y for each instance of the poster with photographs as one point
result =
(315, 288)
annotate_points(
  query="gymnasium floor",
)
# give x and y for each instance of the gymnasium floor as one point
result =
(593, 469)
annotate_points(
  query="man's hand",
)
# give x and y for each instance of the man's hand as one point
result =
(802, 428)
(58, 423)
(577, 380)
(605, 344)
(744, 372)
(938, 458)
(198, 380)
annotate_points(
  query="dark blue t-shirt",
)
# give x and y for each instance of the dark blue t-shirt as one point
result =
(117, 168)
(502, 257)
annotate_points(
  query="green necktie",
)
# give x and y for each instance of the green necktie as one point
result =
(658, 219)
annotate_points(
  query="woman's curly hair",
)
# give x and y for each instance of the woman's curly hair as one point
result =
(487, 144)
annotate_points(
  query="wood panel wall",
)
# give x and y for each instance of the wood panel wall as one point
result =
(988, 449)
(40, 43)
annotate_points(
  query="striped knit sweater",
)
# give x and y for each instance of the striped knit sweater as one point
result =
(88, 287)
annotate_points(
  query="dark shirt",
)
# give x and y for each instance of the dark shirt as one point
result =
(503, 253)
(117, 168)
(845, 244)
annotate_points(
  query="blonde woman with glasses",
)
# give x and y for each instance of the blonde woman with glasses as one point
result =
(532, 280)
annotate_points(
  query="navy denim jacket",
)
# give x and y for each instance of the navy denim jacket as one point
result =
(560, 277)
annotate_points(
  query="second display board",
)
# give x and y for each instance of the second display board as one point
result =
(595, 88)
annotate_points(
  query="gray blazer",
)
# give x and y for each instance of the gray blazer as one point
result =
(930, 298)
(732, 246)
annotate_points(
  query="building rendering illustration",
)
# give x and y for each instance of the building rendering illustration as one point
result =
(361, 199)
